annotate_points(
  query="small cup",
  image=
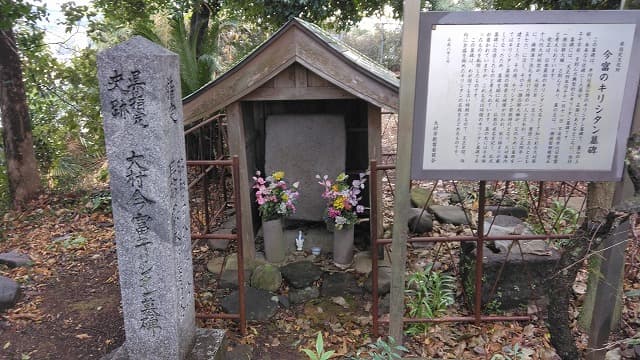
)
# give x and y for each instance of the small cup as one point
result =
(315, 250)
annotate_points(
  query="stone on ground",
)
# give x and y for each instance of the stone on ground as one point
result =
(215, 264)
(419, 197)
(505, 220)
(521, 278)
(420, 221)
(362, 262)
(266, 277)
(219, 244)
(259, 304)
(339, 284)
(449, 214)
(384, 304)
(15, 259)
(9, 292)
(209, 344)
(229, 278)
(240, 352)
(384, 281)
(300, 296)
(516, 211)
(301, 274)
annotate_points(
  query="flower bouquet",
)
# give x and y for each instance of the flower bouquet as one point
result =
(342, 199)
(342, 212)
(275, 199)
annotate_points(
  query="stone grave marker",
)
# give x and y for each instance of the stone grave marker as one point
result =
(304, 146)
(142, 111)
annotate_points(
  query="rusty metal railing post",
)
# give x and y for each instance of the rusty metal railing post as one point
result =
(373, 230)
(479, 252)
(236, 189)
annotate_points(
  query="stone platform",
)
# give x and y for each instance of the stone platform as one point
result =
(209, 344)
(521, 280)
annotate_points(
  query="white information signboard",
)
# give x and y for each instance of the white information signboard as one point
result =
(525, 100)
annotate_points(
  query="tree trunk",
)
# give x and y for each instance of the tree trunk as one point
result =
(22, 168)
(599, 222)
(199, 25)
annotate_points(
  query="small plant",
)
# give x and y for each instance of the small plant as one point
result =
(100, 201)
(382, 350)
(72, 242)
(493, 306)
(557, 218)
(342, 199)
(319, 353)
(274, 196)
(429, 293)
(563, 219)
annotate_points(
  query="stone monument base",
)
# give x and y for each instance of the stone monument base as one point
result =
(209, 344)
(521, 280)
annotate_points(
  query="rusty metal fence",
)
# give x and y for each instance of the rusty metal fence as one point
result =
(479, 237)
(211, 176)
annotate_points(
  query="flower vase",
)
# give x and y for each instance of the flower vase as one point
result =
(343, 246)
(274, 249)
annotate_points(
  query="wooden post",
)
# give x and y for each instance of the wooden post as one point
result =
(410, 31)
(235, 127)
(603, 305)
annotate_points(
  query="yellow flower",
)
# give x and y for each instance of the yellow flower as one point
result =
(334, 188)
(338, 203)
(278, 175)
(285, 197)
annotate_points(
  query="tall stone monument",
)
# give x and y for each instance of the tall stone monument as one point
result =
(142, 111)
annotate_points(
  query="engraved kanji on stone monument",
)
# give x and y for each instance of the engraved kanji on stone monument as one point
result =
(139, 92)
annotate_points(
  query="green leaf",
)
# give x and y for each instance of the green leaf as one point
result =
(310, 354)
(319, 344)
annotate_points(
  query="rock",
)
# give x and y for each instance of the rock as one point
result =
(210, 344)
(15, 259)
(266, 277)
(259, 305)
(215, 265)
(419, 197)
(613, 354)
(420, 221)
(240, 352)
(384, 304)
(284, 301)
(505, 220)
(339, 284)
(362, 262)
(521, 278)
(9, 292)
(515, 211)
(232, 262)
(219, 244)
(229, 278)
(300, 296)
(384, 281)
(301, 274)
(230, 223)
(449, 214)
